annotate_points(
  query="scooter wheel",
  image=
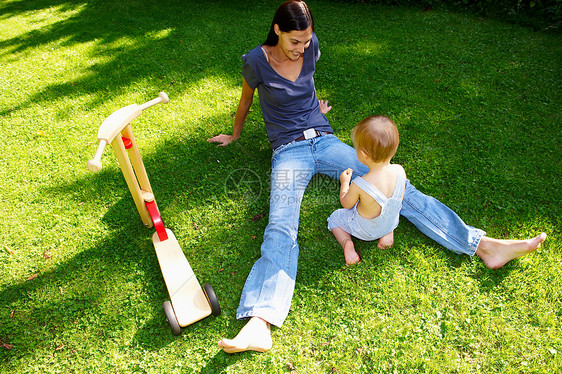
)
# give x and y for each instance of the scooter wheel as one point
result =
(212, 299)
(171, 317)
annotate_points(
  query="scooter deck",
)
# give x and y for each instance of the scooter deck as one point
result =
(188, 300)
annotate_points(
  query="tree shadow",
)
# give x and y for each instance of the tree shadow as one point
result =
(91, 280)
(173, 45)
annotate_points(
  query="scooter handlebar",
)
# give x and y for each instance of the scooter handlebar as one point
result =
(162, 98)
(116, 122)
(95, 163)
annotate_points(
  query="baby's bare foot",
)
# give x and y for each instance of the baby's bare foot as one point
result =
(351, 256)
(386, 241)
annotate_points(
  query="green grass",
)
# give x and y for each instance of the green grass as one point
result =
(478, 106)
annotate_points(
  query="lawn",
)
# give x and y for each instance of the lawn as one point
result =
(477, 102)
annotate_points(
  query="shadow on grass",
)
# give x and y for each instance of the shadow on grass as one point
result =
(221, 361)
(173, 45)
(90, 283)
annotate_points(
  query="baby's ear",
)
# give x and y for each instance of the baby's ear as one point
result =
(364, 155)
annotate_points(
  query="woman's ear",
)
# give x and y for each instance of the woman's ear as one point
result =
(276, 29)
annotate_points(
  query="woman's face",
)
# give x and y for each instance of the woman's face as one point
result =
(293, 43)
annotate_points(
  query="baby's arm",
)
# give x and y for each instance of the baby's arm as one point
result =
(349, 194)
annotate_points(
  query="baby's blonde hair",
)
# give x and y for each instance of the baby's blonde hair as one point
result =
(377, 136)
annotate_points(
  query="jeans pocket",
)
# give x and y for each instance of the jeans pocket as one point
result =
(281, 148)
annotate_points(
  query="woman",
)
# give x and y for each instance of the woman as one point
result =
(282, 69)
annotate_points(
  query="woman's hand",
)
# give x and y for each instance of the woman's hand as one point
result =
(222, 139)
(324, 108)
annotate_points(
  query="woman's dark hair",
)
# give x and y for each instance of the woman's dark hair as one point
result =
(291, 15)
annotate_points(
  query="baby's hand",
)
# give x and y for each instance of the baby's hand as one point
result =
(345, 176)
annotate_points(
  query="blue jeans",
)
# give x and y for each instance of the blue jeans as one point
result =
(269, 287)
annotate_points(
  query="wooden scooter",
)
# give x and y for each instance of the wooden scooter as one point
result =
(189, 301)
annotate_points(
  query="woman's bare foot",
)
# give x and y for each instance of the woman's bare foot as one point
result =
(386, 241)
(254, 336)
(351, 256)
(495, 253)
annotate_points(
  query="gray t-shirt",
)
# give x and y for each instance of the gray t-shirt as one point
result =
(288, 107)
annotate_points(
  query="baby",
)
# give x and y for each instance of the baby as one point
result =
(372, 203)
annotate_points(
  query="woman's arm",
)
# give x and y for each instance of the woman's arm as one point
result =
(246, 100)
